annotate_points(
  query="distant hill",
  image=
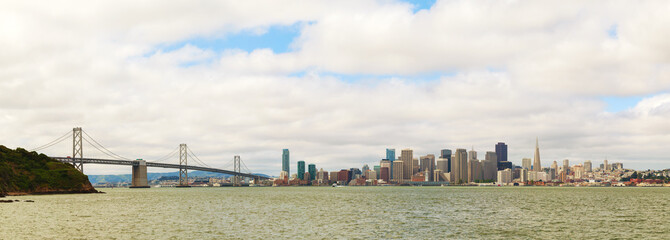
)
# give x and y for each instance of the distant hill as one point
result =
(23, 172)
(95, 179)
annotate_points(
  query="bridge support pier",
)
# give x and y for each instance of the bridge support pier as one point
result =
(140, 175)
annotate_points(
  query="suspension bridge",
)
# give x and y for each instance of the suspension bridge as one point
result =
(139, 166)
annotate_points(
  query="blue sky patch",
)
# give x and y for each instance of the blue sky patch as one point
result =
(421, 4)
(618, 104)
(613, 32)
(278, 38)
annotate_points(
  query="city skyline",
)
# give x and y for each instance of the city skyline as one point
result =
(337, 81)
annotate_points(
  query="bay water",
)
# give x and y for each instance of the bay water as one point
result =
(343, 213)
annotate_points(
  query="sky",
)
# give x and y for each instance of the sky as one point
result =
(338, 82)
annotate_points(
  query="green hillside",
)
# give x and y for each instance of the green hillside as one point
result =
(23, 172)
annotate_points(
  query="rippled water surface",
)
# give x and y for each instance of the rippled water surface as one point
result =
(343, 213)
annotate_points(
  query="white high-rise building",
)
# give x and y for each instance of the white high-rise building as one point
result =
(525, 163)
(505, 176)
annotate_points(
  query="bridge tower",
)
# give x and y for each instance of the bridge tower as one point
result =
(77, 149)
(237, 169)
(183, 162)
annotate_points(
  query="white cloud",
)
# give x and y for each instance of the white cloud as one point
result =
(103, 66)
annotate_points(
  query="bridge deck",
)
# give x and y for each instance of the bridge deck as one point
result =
(159, 165)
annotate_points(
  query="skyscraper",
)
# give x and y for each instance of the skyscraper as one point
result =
(490, 166)
(525, 163)
(501, 153)
(474, 170)
(301, 170)
(554, 166)
(443, 165)
(390, 155)
(459, 166)
(566, 166)
(406, 156)
(285, 163)
(365, 168)
(537, 166)
(312, 172)
(472, 155)
(588, 166)
(398, 170)
(446, 154)
(427, 163)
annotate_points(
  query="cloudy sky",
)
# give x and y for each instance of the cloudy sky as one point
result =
(337, 82)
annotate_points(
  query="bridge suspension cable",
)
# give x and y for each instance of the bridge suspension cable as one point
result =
(106, 151)
(168, 156)
(54, 142)
(190, 153)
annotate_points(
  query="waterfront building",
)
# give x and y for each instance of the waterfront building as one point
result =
(505, 176)
(343, 176)
(490, 167)
(523, 174)
(525, 163)
(474, 170)
(301, 170)
(370, 174)
(427, 163)
(415, 166)
(566, 166)
(322, 176)
(384, 174)
(443, 164)
(472, 154)
(312, 172)
(537, 166)
(285, 162)
(332, 176)
(438, 176)
(406, 156)
(307, 177)
(459, 166)
(385, 163)
(377, 170)
(501, 152)
(446, 154)
(588, 166)
(283, 175)
(398, 171)
(390, 155)
(354, 173)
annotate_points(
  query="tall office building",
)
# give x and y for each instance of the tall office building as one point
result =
(406, 156)
(427, 163)
(566, 166)
(301, 170)
(398, 170)
(490, 166)
(554, 166)
(446, 154)
(312, 172)
(390, 155)
(377, 169)
(525, 163)
(607, 166)
(501, 151)
(474, 170)
(285, 163)
(443, 165)
(472, 155)
(588, 166)
(459, 166)
(537, 166)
